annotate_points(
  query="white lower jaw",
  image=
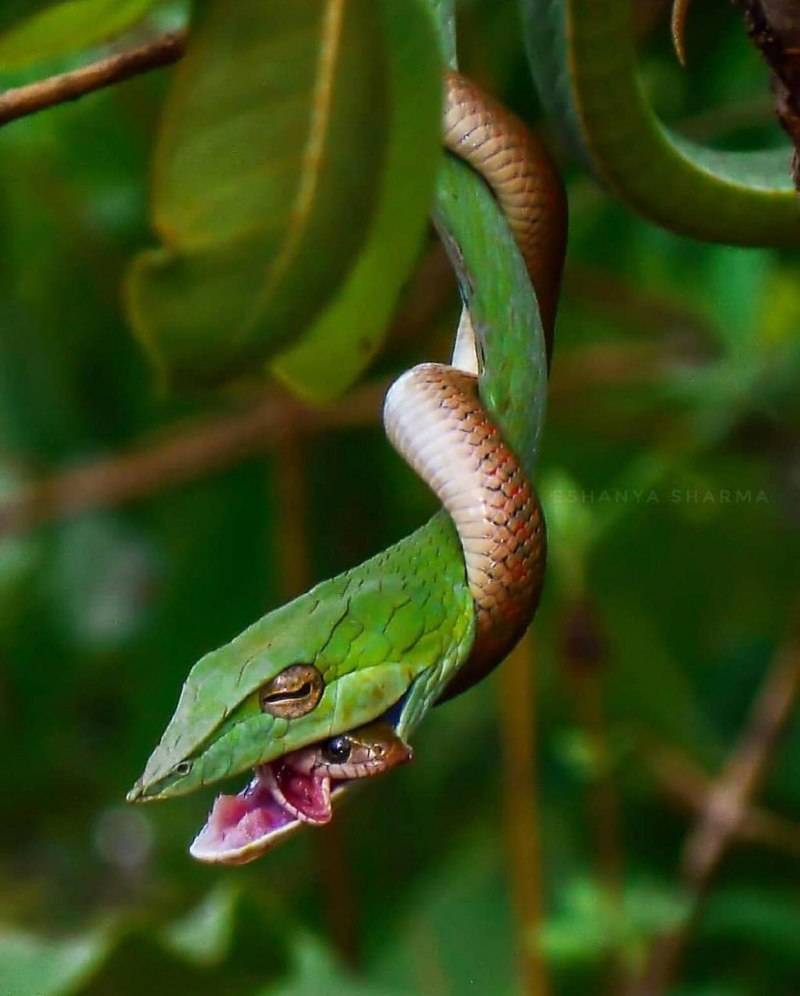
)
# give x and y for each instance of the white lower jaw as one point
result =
(213, 855)
(209, 849)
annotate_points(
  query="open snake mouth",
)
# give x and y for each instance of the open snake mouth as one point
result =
(293, 790)
(279, 799)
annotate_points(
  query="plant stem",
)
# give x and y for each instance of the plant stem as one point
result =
(685, 783)
(207, 445)
(726, 808)
(518, 734)
(295, 576)
(39, 96)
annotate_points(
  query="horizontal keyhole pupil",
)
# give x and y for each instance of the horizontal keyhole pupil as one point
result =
(292, 693)
(289, 696)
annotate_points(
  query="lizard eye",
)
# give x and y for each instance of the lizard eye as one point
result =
(337, 749)
(292, 693)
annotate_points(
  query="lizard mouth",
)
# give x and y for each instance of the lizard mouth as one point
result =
(279, 800)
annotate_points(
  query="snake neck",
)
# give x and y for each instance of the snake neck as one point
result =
(433, 413)
(523, 178)
(434, 418)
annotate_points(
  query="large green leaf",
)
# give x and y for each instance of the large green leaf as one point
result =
(269, 158)
(230, 934)
(67, 27)
(338, 347)
(34, 966)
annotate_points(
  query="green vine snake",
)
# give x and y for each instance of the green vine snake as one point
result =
(327, 689)
(583, 58)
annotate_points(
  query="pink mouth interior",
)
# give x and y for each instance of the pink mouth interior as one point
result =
(241, 827)
(309, 794)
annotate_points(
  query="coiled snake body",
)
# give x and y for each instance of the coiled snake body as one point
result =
(433, 413)
(322, 692)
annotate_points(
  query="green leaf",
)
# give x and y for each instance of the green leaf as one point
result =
(67, 27)
(269, 158)
(593, 923)
(314, 970)
(33, 966)
(570, 528)
(231, 934)
(438, 935)
(755, 914)
(333, 353)
(203, 936)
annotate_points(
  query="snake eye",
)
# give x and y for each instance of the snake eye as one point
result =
(337, 749)
(292, 693)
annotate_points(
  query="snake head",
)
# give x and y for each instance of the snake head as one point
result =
(333, 660)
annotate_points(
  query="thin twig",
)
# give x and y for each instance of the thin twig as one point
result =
(206, 445)
(26, 100)
(728, 800)
(518, 731)
(688, 786)
(725, 810)
(213, 443)
(295, 573)
(584, 659)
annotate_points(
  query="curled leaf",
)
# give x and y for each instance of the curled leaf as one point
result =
(269, 158)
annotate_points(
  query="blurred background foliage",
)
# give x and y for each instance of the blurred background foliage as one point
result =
(671, 479)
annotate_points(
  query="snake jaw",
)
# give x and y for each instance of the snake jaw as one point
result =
(278, 800)
(292, 791)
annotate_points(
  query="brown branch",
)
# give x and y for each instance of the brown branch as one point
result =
(583, 656)
(206, 445)
(774, 28)
(295, 575)
(725, 810)
(26, 100)
(213, 443)
(685, 782)
(727, 802)
(520, 799)
(584, 660)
